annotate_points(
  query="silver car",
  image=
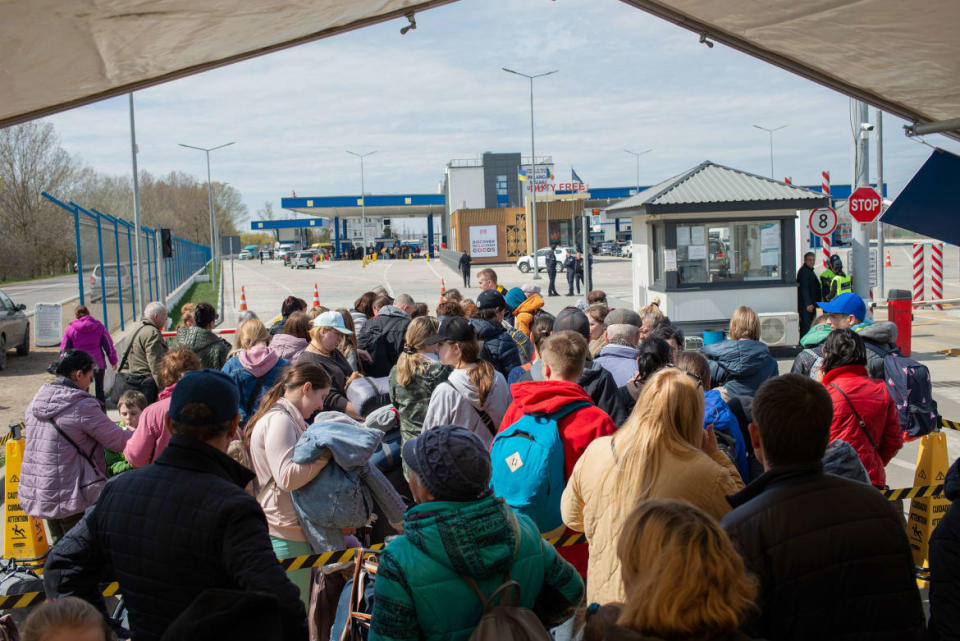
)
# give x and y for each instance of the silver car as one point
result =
(14, 329)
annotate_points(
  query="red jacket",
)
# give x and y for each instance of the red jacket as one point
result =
(577, 430)
(872, 401)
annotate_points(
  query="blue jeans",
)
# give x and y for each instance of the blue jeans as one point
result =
(285, 549)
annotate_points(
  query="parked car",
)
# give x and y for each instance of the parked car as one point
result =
(608, 248)
(285, 255)
(14, 329)
(109, 275)
(626, 250)
(305, 259)
(525, 263)
(244, 255)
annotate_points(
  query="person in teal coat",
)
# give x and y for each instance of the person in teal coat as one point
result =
(460, 529)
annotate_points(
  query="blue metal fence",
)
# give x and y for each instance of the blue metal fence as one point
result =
(108, 275)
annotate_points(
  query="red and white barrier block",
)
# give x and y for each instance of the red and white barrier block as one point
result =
(918, 274)
(936, 273)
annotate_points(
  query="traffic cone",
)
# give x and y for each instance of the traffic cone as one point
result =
(443, 287)
(316, 296)
(888, 263)
(243, 299)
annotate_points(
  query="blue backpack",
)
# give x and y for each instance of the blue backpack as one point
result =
(527, 460)
(911, 390)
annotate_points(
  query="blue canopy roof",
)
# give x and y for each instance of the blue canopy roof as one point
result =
(930, 203)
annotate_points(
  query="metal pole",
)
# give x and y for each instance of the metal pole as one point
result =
(213, 216)
(116, 247)
(76, 231)
(860, 257)
(140, 294)
(133, 292)
(103, 274)
(881, 262)
(233, 275)
(533, 187)
(363, 208)
(587, 263)
(771, 155)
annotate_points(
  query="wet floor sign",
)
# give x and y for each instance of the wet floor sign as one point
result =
(925, 513)
(23, 536)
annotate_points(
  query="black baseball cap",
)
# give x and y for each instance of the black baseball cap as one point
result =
(454, 328)
(491, 299)
(571, 318)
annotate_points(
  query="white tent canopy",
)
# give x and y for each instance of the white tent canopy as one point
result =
(903, 57)
(59, 54)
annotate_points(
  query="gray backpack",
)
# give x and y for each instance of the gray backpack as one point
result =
(506, 620)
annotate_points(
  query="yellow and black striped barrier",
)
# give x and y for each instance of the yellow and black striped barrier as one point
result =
(950, 425)
(923, 491)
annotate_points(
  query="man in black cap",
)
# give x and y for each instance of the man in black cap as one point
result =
(459, 539)
(499, 349)
(174, 530)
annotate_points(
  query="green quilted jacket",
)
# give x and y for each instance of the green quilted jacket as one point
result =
(419, 590)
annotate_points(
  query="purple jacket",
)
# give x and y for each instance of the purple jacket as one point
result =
(89, 334)
(55, 481)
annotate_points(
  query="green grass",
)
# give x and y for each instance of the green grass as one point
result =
(207, 292)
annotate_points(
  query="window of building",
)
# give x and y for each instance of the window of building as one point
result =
(729, 251)
(659, 245)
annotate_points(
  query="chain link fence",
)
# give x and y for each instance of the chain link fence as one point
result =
(106, 264)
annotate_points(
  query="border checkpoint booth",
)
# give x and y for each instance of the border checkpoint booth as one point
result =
(714, 238)
(337, 209)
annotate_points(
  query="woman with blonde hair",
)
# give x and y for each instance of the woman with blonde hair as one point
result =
(414, 377)
(662, 451)
(254, 368)
(740, 364)
(348, 342)
(475, 395)
(186, 315)
(682, 577)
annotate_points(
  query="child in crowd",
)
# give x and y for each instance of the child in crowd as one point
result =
(130, 405)
(66, 619)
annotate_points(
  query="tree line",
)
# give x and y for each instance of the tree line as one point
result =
(37, 237)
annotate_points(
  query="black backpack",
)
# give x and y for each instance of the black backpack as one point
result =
(911, 390)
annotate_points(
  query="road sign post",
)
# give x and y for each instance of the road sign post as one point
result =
(864, 205)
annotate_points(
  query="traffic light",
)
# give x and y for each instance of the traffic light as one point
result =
(166, 243)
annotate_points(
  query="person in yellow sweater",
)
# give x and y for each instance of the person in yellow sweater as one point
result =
(525, 305)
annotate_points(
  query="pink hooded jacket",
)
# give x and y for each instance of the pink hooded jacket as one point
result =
(89, 334)
(151, 435)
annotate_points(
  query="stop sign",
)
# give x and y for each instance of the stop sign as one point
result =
(864, 204)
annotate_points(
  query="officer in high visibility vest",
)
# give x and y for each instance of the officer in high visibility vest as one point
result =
(840, 283)
(826, 277)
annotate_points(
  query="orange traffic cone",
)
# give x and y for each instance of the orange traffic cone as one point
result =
(316, 296)
(243, 299)
(888, 263)
(443, 287)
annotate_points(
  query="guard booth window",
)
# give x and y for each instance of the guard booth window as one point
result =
(729, 251)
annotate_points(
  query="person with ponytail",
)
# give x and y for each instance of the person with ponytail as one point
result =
(414, 377)
(475, 395)
(662, 451)
(271, 435)
(653, 355)
(682, 576)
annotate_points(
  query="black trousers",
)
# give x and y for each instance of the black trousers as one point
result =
(570, 277)
(466, 277)
(806, 320)
(579, 281)
(552, 275)
(98, 387)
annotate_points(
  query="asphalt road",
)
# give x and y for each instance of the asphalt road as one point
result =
(47, 290)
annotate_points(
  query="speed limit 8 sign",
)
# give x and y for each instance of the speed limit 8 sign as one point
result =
(823, 221)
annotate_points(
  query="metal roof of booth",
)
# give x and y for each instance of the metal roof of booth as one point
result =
(385, 206)
(713, 187)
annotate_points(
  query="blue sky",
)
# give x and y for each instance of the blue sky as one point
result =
(626, 79)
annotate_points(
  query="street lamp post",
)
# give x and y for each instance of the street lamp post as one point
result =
(363, 199)
(533, 162)
(637, 154)
(770, 131)
(214, 250)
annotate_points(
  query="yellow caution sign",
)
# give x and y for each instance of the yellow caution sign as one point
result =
(925, 513)
(23, 536)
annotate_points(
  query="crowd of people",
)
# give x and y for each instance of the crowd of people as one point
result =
(465, 434)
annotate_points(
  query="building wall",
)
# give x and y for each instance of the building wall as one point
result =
(509, 222)
(504, 167)
(465, 188)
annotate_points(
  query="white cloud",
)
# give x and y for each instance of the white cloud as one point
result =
(626, 80)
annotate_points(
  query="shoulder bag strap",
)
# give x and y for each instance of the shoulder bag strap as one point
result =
(863, 426)
(87, 457)
(126, 353)
(487, 421)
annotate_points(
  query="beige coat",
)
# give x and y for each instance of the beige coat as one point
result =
(589, 505)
